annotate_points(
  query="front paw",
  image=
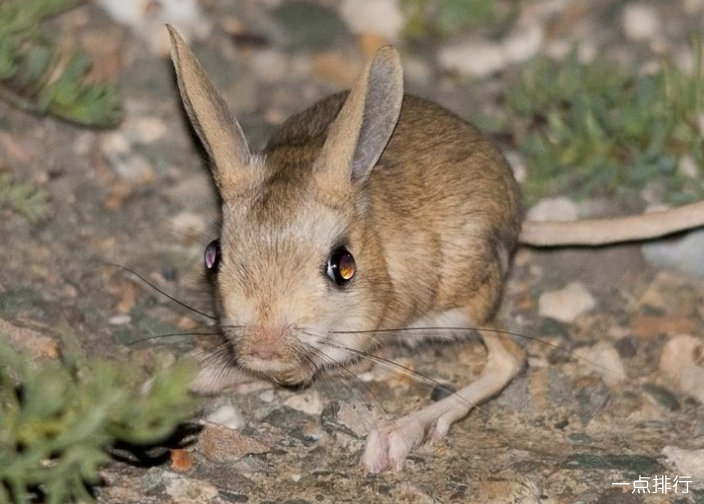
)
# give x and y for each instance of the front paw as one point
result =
(389, 445)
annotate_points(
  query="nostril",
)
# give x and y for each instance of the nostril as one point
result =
(265, 353)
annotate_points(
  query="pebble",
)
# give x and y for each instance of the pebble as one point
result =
(149, 129)
(228, 416)
(524, 43)
(473, 59)
(681, 362)
(553, 209)
(308, 402)
(409, 492)
(267, 396)
(222, 444)
(84, 143)
(118, 320)
(604, 359)
(688, 167)
(687, 463)
(351, 418)
(566, 304)
(681, 253)
(381, 17)
(181, 460)
(194, 491)
(640, 22)
(29, 341)
(114, 144)
(147, 20)
(482, 58)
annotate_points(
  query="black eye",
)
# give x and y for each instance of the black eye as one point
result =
(341, 266)
(211, 257)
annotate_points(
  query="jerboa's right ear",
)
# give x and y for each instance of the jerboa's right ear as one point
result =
(210, 116)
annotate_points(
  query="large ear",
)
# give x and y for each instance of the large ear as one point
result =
(364, 125)
(210, 116)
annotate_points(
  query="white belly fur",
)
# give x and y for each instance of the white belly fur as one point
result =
(455, 318)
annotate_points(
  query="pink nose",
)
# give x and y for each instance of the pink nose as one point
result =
(266, 342)
(264, 352)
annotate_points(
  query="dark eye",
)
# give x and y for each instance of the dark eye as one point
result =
(211, 257)
(341, 266)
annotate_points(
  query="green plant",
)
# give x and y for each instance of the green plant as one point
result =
(39, 78)
(600, 129)
(444, 18)
(23, 198)
(58, 420)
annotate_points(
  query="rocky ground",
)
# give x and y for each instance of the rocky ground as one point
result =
(613, 388)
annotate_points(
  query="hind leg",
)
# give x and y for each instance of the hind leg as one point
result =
(389, 445)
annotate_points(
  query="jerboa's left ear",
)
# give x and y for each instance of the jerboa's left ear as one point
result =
(364, 125)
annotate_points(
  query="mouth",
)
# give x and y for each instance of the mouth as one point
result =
(282, 373)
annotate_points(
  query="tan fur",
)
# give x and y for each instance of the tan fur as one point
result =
(425, 203)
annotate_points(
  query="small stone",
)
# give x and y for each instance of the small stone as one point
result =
(84, 143)
(350, 418)
(681, 253)
(688, 167)
(566, 304)
(523, 43)
(267, 396)
(474, 59)
(29, 341)
(181, 460)
(222, 444)
(119, 320)
(308, 402)
(182, 489)
(687, 463)
(134, 168)
(553, 209)
(681, 361)
(640, 22)
(115, 144)
(147, 20)
(149, 129)
(228, 416)
(381, 17)
(603, 359)
(409, 492)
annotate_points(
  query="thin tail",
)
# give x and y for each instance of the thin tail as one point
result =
(612, 230)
